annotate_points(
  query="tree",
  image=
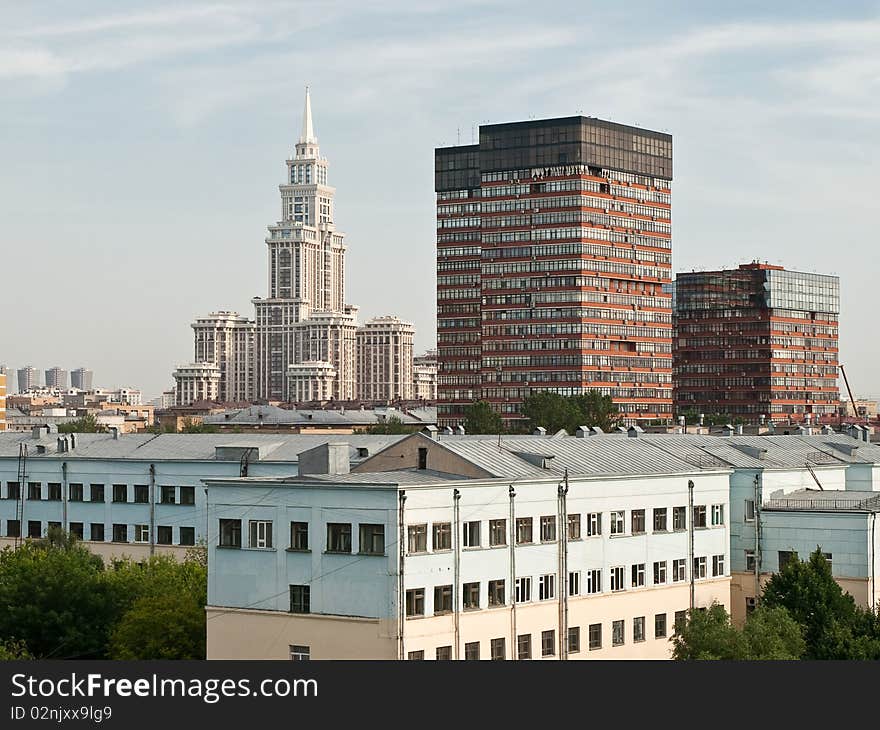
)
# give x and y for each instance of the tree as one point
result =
(86, 424)
(480, 418)
(550, 410)
(190, 426)
(771, 633)
(391, 425)
(596, 409)
(12, 649)
(160, 626)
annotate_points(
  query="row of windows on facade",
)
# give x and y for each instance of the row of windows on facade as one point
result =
(471, 593)
(97, 532)
(498, 648)
(76, 493)
(261, 536)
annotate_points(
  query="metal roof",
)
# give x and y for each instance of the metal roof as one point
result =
(273, 415)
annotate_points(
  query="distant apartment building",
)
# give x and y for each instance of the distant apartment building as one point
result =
(2, 401)
(82, 379)
(384, 360)
(28, 379)
(197, 381)
(425, 376)
(56, 378)
(553, 247)
(757, 340)
(311, 381)
(227, 340)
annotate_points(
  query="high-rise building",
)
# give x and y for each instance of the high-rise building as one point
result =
(197, 381)
(2, 401)
(56, 377)
(227, 339)
(311, 381)
(553, 246)
(385, 360)
(82, 379)
(425, 376)
(28, 379)
(757, 340)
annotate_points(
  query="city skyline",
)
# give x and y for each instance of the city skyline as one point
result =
(156, 191)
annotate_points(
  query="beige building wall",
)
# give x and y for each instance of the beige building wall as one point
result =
(405, 455)
(235, 633)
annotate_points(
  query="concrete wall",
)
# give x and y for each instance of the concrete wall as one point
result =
(405, 455)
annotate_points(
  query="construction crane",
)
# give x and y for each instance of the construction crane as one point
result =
(849, 390)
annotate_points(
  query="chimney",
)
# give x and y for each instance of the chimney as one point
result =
(447, 431)
(634, 431)
(72, 441)
(539, 431)
(114, 432)
(430, 431)
(596, 431)
(61, 445)
(681, 421)
(739, 429)
(762, 418)
(582, 432)
(324, 459)
(459, 430)
(702, 418)
(728, 429)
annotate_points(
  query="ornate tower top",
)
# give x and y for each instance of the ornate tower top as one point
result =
(308, 132)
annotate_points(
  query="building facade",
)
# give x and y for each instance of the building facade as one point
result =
(82, 379)
(28, 379)
(757, 340)
(425, 376)
(2, 401)
(384, 355)
(56, 378)
(197, 381)
(309, 381)
(553, 247)
(227, 340)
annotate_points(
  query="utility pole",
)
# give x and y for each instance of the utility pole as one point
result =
(562, 541)
(456, 586)
(691, 537)
(757, 537)
(514, 652)
(401, 587)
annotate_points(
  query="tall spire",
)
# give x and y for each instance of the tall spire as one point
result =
(308, 132)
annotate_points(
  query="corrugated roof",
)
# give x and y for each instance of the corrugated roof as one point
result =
(273, 415)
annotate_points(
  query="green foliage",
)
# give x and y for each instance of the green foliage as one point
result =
(771, 633)
(392, 425)
(554, 411)
(596, 409)
(12, 649)
(190, 426)
(160, 626)
(87, 424)
(480, 418)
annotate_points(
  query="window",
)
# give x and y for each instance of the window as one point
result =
(372, 539)
(751, 604)
(680, 620)
(417, 538)
(574, 639)
(659, 572)
(35, 528)
(141, 494)
(164, 534)
(35, 490)
(166, 495)
(548, 528)
(442, 599)
(52, 526)
(524, 646)
(749, 510)
(443, 653)
(660, 519)
(76, 528)
(496, 592)
(96, 531)
(827, 557)
(523, 590)
(423, 458)
(13, 528)
(679, 518)
(471, 595)
(338, 537)
(416, 655)
(638, 575)
(717, 514)
(415, 602)
(699, 567)
(574, 527)
(187, 495)
(13, 490)
(260, 534)
(617, 578)
(96, 492)
(678, 570)
(442, 536)
(717, 565)
(523, 530)
(54, 492)
(617, 633)
(472, 534)
(548, 643)
(75, 493)
(120, 493)
(141, 533)
(786, 557)
(498, 652)
(659, 625)
(594, 634)
(472, 650)
(639, 628)
(547, 587)
(120, 533)
(699, 516)
(617, 522)
(574, 583)
(637, 518)
(594, 581)
(187, 535)
(300, 597)
(594, 524)
(299, 535)
(750, 561)
(230, 533)
(497, 532)
(299, 653)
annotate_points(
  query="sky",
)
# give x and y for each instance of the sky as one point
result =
(142, 144)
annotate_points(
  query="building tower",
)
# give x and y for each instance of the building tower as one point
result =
(553, 246)
(227, 339)
(28, 379)
(82, 379)
(385, 360)
(757, 340)
(197, 381)
(56, 378)
(306, 267)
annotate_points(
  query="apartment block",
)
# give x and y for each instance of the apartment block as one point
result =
(226, 339)
(82, 379)
(56, 378)
(757, 340)
(553, 249)
(384, 360)
(198, 381)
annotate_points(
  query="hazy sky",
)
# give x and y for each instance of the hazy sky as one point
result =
(142, 144)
